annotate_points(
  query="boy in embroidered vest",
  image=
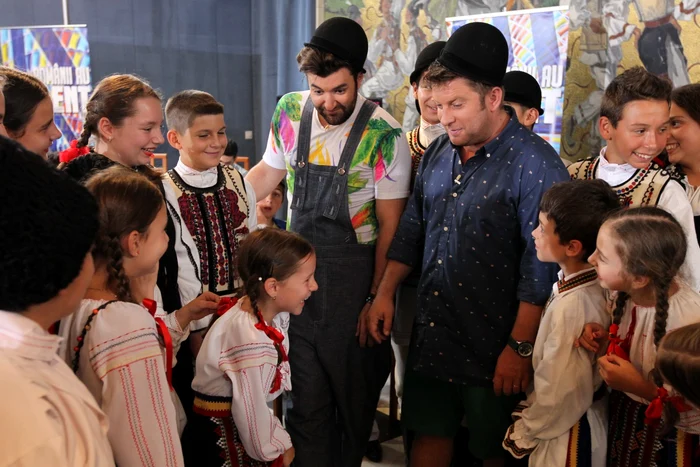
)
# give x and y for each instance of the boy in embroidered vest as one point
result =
(634, 118)
(217, 205)
(558, 421)
(47, 229)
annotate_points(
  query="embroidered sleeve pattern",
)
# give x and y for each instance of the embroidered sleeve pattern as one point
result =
(251, 369)
(143, 422)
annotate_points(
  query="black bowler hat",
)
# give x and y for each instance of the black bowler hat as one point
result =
(427, 56)
(523, 88)
(344, 38)
(477, 51)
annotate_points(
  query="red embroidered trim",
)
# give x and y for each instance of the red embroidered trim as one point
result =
(277, 338)
(163, 332)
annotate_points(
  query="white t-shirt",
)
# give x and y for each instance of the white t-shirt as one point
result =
(380, 169)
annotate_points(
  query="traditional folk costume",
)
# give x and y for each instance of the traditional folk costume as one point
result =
(631, 441)
(211, 212)
(563, 422)
(123, 354)
(242, 365)
(217, 209)
(650, 186)
(418, 141)
(48, 416)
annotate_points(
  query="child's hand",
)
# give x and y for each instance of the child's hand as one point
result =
(592, 338)
(288, 457)
(202, 306)
(621, 375)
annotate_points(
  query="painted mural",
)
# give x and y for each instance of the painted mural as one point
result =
(606, 37)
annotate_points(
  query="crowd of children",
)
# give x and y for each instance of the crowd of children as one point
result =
(169, 306)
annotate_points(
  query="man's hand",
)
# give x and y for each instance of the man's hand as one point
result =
(593, 337)
(513, 373)
(380, 318)
(361, 333)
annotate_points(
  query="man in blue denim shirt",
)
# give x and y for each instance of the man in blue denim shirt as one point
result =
(482, 288)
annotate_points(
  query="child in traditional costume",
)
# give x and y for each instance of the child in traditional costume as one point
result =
(47, 229)
(634, 121)
(639, 253)
(563, 421)
(116, 342)
(242, 364)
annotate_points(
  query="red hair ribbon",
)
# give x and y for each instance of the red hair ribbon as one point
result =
(615, 345)
(279, 462)
(655, 410)
(72, 152)
(225, 304)
(163, 332)
(277, 338)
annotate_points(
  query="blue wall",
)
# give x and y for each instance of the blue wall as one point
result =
(241, 51)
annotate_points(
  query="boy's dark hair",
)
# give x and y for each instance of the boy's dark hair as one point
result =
(323, 64)
(231, 148)
(182, 108)
(578, 209)
(48, 225)
(635, 84)
(23, 93)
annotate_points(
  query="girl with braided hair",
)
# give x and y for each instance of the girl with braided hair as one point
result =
(678, 361)
(117, 342)
(242, 364)
(638, 256)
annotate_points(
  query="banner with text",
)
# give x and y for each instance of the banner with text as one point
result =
(538, 41)
(60, 57)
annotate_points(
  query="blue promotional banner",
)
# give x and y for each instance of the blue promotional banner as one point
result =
(538, 41)
(60, 57)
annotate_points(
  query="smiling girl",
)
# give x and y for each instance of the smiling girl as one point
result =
(683, 144)
(639, 254)
(243, 362)
(28, 116)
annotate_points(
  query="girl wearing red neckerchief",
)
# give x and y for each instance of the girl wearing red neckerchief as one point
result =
(117, 343)
(639, 253)
(243, 364)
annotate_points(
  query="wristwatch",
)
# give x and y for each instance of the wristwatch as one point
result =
(523, 348)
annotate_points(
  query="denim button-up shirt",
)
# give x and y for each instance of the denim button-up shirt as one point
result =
(474, 223)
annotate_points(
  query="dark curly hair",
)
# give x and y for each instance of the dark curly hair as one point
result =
(47, 227)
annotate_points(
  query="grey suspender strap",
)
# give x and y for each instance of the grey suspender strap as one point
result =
(301, 176)
(339, 186)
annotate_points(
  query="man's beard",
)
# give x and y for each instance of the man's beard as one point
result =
(338, 117)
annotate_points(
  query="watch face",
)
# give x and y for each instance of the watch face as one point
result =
(525, 349)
